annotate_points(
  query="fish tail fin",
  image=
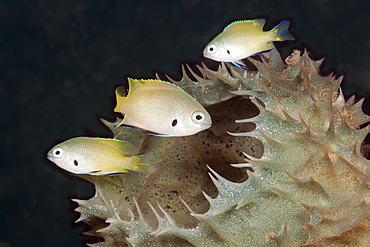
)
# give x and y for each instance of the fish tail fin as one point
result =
(121, 95)
(281, 32)
(140, 165)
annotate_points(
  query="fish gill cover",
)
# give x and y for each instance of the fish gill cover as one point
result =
(280, 166)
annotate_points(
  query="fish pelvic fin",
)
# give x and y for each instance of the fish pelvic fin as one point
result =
(266, 48)
(281, 32)
(115, 173)
(240, 64)
(104, 173)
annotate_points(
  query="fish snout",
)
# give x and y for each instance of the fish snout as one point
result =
(206, 124)
(50, 157)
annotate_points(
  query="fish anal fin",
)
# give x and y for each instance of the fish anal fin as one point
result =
(127, 121)
(122, 122)
(266, 48)
(115, 173)
(120, 172)
(128, 124)
(247, 24)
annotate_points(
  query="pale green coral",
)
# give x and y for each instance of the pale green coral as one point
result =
(304, 181)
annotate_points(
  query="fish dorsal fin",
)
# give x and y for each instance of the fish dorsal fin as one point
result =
(152, 84)
(132, 84)
(123, 147)
(247, 24)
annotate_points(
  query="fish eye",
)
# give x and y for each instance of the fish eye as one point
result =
(58, 152)
(174, 122)
(75, 162)
(228, 52)
(212, 49)
(198, 117)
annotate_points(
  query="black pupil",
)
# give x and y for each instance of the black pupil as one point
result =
(228, 52)
(174, 122)
(57, 152)
(198, 117)
(75, 162)
(211, 48)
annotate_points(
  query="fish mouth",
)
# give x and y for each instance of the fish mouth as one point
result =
(50, 157)
(206, 125)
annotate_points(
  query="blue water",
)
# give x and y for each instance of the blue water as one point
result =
(60, 62)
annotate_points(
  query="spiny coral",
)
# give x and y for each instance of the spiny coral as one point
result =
(304, 180)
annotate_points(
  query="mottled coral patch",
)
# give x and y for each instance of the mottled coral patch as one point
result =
(281, 166)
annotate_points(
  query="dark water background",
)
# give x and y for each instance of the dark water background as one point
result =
(60, 62)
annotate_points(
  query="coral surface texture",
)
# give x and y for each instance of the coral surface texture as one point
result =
(280, 166)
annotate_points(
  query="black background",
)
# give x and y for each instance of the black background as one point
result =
(60, 62)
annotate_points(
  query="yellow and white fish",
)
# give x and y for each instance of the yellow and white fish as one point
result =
(95, 156)
(242, 39)
(162, 108)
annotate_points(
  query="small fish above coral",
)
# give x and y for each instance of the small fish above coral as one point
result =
(242, 39)
(161, 108)
(96, 156)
